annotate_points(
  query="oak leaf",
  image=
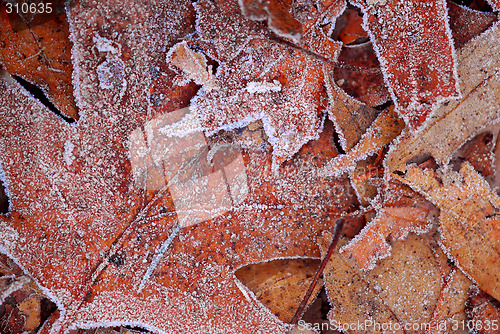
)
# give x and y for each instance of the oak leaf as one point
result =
(403, 289)
(413, 42)
(44, 58)
(470, 228)
(455, 122)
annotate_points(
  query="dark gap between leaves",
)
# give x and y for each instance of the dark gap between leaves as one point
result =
(40, 96)
(480, 5)
(336, 142)
(47, 307)
(4, 199)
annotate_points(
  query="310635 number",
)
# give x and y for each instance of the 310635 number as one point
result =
(32, 8)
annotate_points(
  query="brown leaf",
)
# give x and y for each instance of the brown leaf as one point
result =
(109, 247)
(37, 49)
(402, 289)
(455, 122)
(419, 73)
(280, 284)
(354, 28)
(470, 232)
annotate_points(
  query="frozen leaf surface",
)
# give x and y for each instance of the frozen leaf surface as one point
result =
(469, 225)
(413, 42)
(259, 78)
(387, 293)
(455, 122)
(37, 49)
(131, 208)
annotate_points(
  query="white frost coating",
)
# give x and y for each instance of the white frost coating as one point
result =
(111, 75)
(68, 152)
(263, 87)
(105, 45)
(193, 65)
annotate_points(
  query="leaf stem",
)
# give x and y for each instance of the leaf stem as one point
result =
(303, 304)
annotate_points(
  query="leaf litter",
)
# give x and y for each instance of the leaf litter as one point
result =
(152, 202)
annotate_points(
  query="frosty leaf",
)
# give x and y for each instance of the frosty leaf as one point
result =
(402, 211)
(263, 79)
(451, 305)
(413, 42)
(381, 132)
(403, 288)
(468, 220)
(111, 224)
(281, 284)
(37, 49)
(455, 122)
(351, 118)
(466, 23)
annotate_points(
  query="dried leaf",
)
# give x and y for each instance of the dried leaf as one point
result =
(382, 131)
(470, 232)
(108, 247)
(466, 23)
(455, 122)
(402, 211)
(280, 284)
(403, 289)
(420, 73)
(37, 49)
